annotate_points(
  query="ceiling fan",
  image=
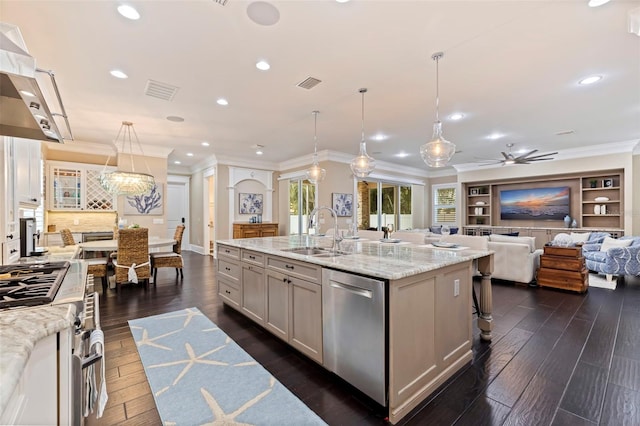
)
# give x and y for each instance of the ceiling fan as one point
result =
(527, 158)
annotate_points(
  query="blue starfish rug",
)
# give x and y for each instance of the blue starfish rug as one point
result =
(198, 375)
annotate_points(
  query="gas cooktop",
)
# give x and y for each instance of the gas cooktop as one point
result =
(30, 284)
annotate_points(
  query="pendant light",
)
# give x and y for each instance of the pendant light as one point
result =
(315, 173)
(127, 183)
(439, 151)
(363, 165)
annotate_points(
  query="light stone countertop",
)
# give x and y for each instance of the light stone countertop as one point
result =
(368, 257)
(20, 330)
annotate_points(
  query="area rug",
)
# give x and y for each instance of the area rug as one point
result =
(600, 281)
(198, 375)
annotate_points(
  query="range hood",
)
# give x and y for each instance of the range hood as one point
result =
(24, 112)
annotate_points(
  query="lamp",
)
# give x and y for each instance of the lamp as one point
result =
(439, 151)
(127, 183)
(362, 165)
(315, 173)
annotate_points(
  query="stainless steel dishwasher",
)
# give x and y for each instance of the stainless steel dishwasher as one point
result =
(354, 331)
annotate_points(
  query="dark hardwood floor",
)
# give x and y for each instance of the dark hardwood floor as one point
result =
(557, 358)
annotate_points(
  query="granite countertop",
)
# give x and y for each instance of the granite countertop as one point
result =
(382, 260)
(20, 329)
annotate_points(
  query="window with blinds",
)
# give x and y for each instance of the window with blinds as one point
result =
(444, 204)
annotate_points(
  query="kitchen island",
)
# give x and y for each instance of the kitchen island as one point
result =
(425, 318)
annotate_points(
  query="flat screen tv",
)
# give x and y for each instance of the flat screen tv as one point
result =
(535, 204)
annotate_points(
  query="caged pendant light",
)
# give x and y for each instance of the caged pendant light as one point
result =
(127, 183)
(315, 173)
(439, 151)
(363, 164)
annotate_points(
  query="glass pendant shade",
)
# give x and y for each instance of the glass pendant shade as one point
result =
(438, 151)
(315, 173)
(363, 164)
(122, 182)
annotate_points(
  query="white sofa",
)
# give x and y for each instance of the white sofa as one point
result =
(515, 259)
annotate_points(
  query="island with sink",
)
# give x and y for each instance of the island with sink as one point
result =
(392, 319)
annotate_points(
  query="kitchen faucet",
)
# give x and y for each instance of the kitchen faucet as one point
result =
(336, 238)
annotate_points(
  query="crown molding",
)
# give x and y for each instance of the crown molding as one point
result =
(244, 163)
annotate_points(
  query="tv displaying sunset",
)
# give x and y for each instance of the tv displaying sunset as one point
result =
(535, 203)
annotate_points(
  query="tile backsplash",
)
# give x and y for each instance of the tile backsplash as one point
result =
(81, 221)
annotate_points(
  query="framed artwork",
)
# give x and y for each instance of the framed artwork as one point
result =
(607, 183)
(342, 204)
(250, 203)
(150, 203)
(474, 191)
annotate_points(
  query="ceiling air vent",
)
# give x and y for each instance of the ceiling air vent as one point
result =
(160, 90)
(309, 83)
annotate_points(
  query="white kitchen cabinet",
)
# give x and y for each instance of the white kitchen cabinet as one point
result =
(76, 186)
(28, 160)
(9, 224)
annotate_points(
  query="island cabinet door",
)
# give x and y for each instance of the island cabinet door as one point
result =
(277, 315)
(305, 310)
(253, 293)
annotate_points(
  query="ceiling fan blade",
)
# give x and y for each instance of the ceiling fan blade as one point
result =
(537, 159)
(526, 155)
(506, 156)
(540, 156)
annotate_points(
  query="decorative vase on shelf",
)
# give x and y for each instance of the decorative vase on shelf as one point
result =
(567, 221)
(603, 209)
(574, 224)
(596, 209)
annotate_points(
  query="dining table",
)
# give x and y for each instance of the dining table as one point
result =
(112, 245)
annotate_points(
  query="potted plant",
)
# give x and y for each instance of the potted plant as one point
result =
(593, 183)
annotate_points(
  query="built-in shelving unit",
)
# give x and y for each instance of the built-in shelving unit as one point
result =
(602, 200)
(479, 205)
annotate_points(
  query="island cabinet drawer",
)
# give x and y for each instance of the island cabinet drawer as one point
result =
(228, 251)
(302, 270)
(253, 257)
(229, 293)
(229, 269)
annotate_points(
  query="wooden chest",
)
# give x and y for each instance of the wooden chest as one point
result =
(564, 268)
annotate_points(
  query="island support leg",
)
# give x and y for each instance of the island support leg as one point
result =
(485, 320)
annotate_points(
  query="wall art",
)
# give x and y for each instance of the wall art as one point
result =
(342, 204)
(250, 203)
(150, 203)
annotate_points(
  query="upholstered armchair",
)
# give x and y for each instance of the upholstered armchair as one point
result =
(613, 256)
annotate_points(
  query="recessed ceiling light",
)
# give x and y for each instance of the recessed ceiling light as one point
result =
(494, 136)
(596, 3)
(205, 144)
(402, 155)
(342, 1)
(263, 65)
(259, 150)
(379, 137)
(118, 74)
(456, 116)
(175, 119)
(176, 162)
(27, 93)
(222, 101)
(128, 12)
(590, 80)
(189, 154)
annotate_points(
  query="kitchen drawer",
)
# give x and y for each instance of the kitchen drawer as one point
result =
(229, 293)
(302, 270)
(229, 269)
(10, 252)
(253, 257)
(228, 251)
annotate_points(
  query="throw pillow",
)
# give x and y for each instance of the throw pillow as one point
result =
(580, 237)
(612, 242)
(436, 229)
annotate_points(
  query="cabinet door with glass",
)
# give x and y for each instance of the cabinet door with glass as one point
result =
(67, 188)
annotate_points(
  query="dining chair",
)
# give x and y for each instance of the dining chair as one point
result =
(169, 259)
(98, 267)
(132, 259)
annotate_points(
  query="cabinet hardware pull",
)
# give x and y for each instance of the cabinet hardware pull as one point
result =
(227, 268)
(10, 236)
(288, 266)
(252, 257)
(13, 251)
(284, 280)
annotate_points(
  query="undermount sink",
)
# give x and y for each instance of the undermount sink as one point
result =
(315, 251)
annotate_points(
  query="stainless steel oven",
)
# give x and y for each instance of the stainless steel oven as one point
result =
(96, 236)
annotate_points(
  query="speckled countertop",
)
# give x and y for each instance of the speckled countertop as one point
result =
(20, 329)
(382, 260)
